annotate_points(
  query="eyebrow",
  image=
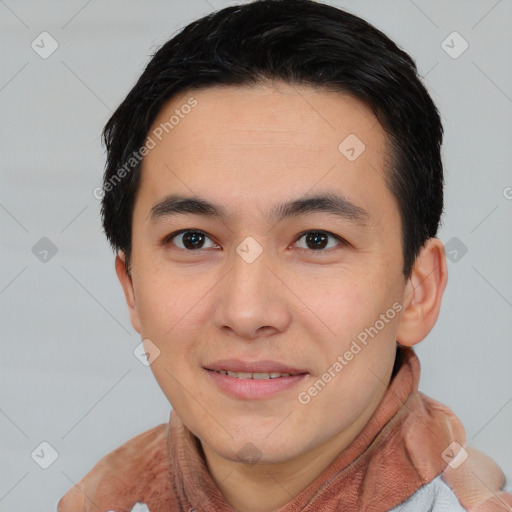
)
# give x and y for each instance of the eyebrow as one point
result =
(330, 203)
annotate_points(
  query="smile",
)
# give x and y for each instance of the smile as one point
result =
(258, 376)
(254, 385)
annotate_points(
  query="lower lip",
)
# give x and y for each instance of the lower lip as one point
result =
(251, 389)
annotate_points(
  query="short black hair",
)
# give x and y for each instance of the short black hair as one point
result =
(299, 42)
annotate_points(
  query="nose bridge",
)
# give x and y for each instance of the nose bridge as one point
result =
(249, 298)
(249, 273)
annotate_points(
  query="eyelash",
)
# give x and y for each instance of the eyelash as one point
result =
(342, 242)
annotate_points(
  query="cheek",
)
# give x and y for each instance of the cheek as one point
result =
(174, 308)
(163, 317)
(358, 324)
(167, 319)
(342, 305)
(163, 301)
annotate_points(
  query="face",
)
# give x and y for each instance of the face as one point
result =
(264, 279)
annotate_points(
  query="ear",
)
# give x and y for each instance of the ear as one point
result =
(423, 294)
(129, 293)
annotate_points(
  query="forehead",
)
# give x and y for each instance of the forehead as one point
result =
(252, 144)
(311, 118)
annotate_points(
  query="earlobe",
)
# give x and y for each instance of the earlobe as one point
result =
(423, 294)
(129, 293)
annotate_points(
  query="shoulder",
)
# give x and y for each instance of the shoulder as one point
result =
(476, 488)
(131, 473)
(476, 480)
(466, 479)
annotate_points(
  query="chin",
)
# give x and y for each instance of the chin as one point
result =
(252, 449)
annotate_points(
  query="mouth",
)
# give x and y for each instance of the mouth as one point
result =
(253, 381)
(256, 375)
(262, 369)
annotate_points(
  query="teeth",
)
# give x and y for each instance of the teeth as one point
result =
(258, 376)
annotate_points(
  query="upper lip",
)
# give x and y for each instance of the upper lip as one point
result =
(263, 366)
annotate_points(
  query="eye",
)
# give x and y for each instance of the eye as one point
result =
(317, 240)
(191, 240)
(194, 240)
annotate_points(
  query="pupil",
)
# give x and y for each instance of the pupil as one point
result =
(192, 237)
(316, 237)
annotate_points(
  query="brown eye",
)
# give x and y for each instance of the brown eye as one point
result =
(191, 240)
(318, 240)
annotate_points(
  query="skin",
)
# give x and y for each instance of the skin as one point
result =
(249, 148)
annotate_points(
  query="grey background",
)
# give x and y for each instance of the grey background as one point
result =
(68, 373)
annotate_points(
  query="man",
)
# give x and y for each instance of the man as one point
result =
(273, 189)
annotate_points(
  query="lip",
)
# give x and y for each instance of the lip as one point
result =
(253, 389)
(262, 366)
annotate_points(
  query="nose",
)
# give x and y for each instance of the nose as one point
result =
(252, 299)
